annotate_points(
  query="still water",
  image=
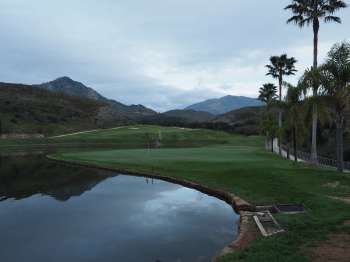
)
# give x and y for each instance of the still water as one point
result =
(52, 212)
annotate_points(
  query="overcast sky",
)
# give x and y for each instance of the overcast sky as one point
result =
(164, 54)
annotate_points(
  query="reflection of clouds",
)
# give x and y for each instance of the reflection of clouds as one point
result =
(181, 198)
(118, 216)
(185, 206)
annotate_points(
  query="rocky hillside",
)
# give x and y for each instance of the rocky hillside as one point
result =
(113, 109)
(28, 109)
(73, 88)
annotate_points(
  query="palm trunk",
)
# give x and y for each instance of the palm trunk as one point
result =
(280, 117)
(314, 135)
(295, 145)
(316, 27)
(340, 142)
(267, 146)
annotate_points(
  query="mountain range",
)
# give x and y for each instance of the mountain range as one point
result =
(224, 104)
(61, 106)
(113, 109)
(65, 105)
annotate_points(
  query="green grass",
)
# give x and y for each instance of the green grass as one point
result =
(239, 165)
(138, 136)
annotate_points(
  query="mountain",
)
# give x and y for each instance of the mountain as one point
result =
(18, 181)
(73, 88)
(225, 104)
(32, 110)
(113, 108)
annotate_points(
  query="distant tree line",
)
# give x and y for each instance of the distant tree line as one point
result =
(180, 122)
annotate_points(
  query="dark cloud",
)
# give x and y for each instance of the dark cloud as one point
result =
(161, 53)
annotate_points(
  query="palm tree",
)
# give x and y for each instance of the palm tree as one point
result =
(279, 67)
(335, 78)
(294, 108)
(307, 12)
(268, 95)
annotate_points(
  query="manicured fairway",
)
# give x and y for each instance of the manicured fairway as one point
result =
(241, 165)
(137, 136)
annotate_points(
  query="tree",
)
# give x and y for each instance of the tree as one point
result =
(293, 105)
(269, 127)
(307, 12)
(335, 78)
(268, 95)
(279, 67)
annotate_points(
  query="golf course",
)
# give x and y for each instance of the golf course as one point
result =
(233, 163)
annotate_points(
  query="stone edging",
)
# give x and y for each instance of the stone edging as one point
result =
(238, 204)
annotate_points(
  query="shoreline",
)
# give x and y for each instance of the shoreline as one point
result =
(239, 205)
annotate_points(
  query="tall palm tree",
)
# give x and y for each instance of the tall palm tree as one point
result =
(268, 95)
(307, 12)
(279, 67)
(294, 108)
(306, 83)
(335, 78)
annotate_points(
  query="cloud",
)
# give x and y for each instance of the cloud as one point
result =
(162, 53)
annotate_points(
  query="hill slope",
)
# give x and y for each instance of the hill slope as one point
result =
(225, 104)
(244, 120)
(70, 87)
(73, 88)
(27, 109)
(190, 115)
(178, 118)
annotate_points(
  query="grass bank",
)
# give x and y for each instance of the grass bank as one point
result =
(239, 165)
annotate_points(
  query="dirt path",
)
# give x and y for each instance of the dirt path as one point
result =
(343, 199)
(336, 248)
(84, 132)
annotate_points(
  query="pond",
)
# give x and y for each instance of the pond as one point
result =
(55, 212)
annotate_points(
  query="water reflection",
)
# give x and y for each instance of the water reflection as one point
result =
(51, 212)
(24, 176)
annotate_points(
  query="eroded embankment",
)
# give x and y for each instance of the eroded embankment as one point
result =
(242, 207)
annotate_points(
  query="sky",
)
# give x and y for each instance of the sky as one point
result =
(164, 54)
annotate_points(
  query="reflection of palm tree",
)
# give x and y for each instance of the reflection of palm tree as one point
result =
(307, 12)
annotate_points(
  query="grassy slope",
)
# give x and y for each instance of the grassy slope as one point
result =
(240, 165)
(26, 109)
